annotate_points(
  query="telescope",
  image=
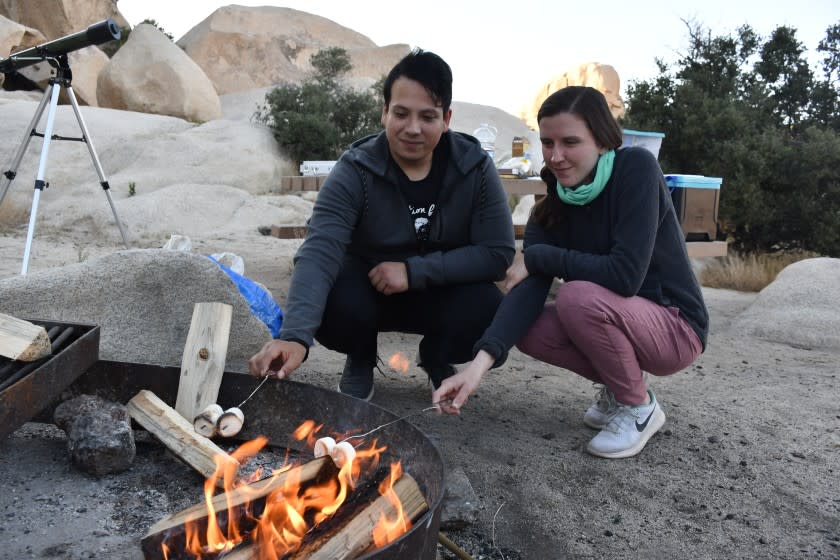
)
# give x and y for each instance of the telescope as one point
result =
(96, 34)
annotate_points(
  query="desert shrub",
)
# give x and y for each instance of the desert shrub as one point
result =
(318, 119)
(748, 273)
(12, 216)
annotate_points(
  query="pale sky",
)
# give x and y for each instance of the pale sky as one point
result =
(501, 53)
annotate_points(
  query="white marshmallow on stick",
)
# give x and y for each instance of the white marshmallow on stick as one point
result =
(230, 423)
(343, 453)
(205, 423)
(324, 446)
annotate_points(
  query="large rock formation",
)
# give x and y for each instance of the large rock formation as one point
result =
(152, 75)
(798, 307)
(85, 64)
(57, 18)
(242, 48)
(602, 77)
(14, 37)
(148, 153)
(141, 299)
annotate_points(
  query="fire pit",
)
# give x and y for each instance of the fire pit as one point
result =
(27, 387)
(278, 409)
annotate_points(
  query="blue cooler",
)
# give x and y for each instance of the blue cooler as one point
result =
(696, 199)
(650, 141)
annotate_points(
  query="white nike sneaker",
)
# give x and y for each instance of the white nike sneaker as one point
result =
(602, 410)
(628, 431)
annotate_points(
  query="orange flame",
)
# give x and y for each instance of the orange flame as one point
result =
(399, 362)
(388, 530)
(290, 511)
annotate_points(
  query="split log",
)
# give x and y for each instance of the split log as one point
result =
(355, 537)
(246, 501)
(22, 340)
(164, 422)
(203, 362)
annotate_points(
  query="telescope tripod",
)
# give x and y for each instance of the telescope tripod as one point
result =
(63, 79)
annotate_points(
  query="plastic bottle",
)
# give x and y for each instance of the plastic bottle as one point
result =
(486, 134)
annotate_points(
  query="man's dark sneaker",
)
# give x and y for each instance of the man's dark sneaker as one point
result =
(438, 373)
(357, 378)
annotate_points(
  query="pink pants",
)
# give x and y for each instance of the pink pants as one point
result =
(611, 339)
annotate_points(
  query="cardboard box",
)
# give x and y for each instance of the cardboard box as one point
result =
(696, 200)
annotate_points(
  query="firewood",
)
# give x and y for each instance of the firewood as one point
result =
(176, 433)
(22, 340)
(250, 497)
(203, 362)
(356, 536)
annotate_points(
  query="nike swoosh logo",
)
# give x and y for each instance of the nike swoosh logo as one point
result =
(641, 427)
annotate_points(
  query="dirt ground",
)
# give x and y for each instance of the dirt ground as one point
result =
(746, 465)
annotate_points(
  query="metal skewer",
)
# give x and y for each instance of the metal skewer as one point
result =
(434, 406)
(254, 392)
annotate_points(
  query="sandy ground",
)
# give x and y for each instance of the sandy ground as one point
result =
(746, 466)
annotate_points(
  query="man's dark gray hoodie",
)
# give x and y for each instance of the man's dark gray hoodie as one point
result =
(361, 211)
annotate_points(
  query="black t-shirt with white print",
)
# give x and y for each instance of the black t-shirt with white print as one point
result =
(422, 195)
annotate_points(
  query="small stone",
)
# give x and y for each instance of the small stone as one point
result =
(549, 435)
(608, 533)
(743, 463)
(713, 439)
(762, 540)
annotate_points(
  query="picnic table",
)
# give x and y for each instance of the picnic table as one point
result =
(521, 187)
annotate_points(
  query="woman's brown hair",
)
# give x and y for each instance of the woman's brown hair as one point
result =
(591, 106)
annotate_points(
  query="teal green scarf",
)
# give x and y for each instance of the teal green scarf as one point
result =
(584, 194)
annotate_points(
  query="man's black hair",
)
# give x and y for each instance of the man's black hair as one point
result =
(426, 68)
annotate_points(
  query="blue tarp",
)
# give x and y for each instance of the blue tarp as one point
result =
(259, 300)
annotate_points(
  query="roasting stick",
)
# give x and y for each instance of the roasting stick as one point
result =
(434, 406)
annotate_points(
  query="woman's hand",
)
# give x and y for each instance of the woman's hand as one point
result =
(516, 273)
(456, 390)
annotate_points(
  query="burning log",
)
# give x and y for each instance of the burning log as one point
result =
(387, 518)
(246, 501)
(349, 534)
(164, 422)
(22, 340)
(203, 362)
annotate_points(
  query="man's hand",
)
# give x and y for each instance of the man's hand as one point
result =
(389, 278)
(277, 357)
(516, 273)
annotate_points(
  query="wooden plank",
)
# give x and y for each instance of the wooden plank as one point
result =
(176, 433)
(22, 340)
(523, 186)
(288, 232)
(700, 249)
(203, 362)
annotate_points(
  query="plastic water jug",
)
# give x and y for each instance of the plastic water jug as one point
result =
(486, 134)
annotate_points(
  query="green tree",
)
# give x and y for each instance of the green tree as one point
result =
(751, 111)
(318, 119)
(825, 97)
(786, 75)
